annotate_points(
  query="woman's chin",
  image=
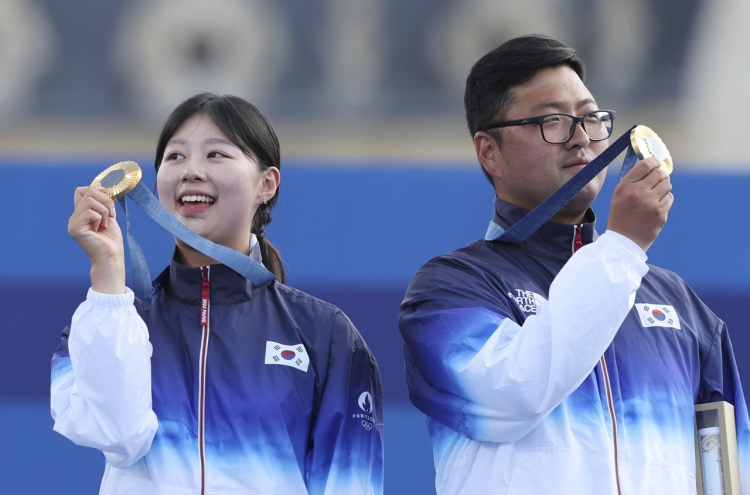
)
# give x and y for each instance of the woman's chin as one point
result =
(193, 223)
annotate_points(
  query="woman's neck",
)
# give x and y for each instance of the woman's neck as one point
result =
(192, 258)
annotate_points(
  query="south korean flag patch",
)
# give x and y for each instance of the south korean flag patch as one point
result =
(658, 315)
(294, 356)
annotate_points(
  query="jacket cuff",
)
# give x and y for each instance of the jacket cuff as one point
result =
(627, 243)
(111, 300)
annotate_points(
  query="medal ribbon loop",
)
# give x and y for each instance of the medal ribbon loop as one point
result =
(241, 263)
(537, 217)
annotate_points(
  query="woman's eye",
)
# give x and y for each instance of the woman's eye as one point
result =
(174, 156)
(216, 154)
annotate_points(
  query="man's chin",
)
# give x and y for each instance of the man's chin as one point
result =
(576, 209)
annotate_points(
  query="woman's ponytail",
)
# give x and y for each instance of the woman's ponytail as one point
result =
(269, 254)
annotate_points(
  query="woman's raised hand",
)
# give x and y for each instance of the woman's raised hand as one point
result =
(94, 228)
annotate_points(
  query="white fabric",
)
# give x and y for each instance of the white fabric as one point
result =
(628, 243)
(105, 402)
(255, 249)
(518, 377)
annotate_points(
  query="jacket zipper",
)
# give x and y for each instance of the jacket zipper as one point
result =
(613, 418)
(577, 239)
(577, 244)
(204, 323)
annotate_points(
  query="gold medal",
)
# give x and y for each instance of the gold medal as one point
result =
(119, 179)
(646, 143)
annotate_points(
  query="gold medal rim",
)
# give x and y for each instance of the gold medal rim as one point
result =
(132, 177)
(638, 138)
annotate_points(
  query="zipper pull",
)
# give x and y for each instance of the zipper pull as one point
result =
(578, 241)
(205, 296)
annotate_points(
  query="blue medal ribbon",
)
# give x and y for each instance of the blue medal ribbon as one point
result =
(537, 217)
(241, 263)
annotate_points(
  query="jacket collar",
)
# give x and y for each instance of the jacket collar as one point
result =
(227, 286)
(551, 240)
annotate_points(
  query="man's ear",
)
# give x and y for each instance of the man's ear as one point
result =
(489, 155)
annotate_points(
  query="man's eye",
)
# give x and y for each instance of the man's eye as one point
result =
(552, 119)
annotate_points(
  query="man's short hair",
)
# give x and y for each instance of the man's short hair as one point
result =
(515, 62)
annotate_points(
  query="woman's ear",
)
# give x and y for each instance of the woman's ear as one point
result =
(271, 181)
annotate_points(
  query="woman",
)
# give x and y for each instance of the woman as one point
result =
(272, 391)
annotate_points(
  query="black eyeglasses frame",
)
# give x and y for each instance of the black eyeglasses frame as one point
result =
(539, 120)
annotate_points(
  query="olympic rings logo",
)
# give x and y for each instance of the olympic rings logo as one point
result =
(366, 425)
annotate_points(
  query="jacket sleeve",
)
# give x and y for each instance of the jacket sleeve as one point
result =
(346, 451)
(720, 381)
(101, 380)
(475, 369)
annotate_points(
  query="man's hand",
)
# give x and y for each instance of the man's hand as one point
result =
(641, 203)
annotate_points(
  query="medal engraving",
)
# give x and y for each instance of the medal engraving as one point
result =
(656, 148)
(119, 179)
(113, 178)
(646, 143)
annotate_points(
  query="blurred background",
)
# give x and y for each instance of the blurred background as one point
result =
(379, 172)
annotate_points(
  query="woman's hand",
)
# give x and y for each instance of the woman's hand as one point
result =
(94, 228)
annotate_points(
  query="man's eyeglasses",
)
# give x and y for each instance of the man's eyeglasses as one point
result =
(558, 128)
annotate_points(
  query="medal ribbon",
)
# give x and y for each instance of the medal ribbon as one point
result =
(241, 263)
(537, 217)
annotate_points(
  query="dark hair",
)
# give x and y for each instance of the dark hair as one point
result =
(488, 88)
(251, 131)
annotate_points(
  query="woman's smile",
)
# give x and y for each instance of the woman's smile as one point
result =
(205, 176)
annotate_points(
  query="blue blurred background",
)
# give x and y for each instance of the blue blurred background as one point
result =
(379, 173)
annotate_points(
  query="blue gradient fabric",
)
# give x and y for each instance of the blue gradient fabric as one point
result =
(126, 380)
(544, 371)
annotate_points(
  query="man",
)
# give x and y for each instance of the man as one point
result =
(562, 364)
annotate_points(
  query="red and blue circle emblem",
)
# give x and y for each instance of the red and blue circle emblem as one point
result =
(659, 315)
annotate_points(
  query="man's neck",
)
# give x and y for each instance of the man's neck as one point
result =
(569, 219)
(565, 216)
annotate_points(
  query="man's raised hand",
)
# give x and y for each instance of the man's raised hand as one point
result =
(641, 203)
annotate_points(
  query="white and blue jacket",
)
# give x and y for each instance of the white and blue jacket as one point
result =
(221, 387)
(548, 371)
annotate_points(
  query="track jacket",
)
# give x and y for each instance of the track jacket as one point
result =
(221, 387)
(542, 371)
